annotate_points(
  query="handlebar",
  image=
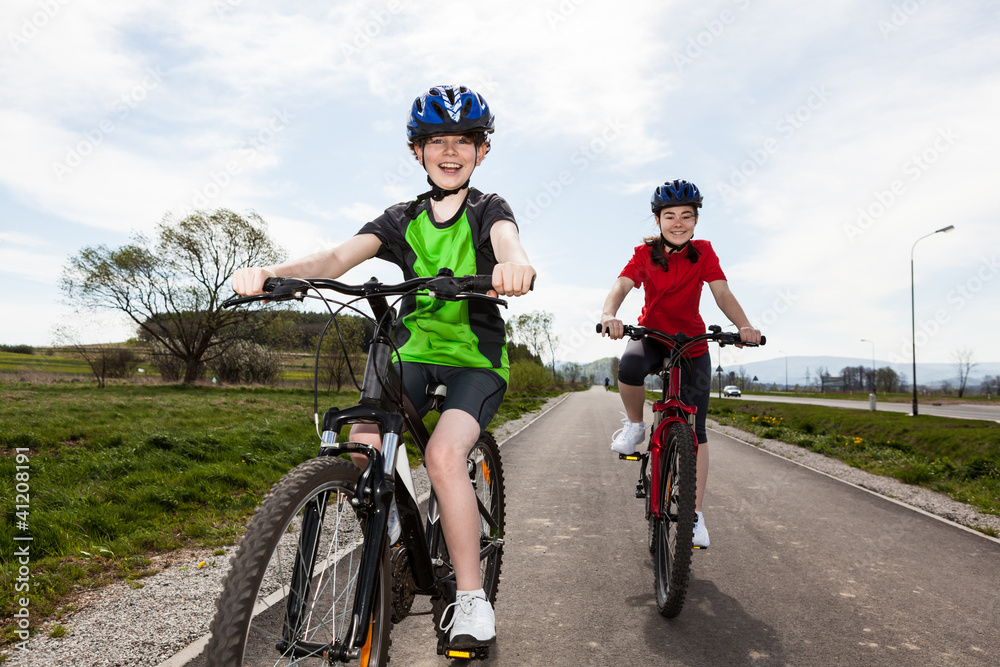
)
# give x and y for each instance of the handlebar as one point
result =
(443, 286)
(715, 334)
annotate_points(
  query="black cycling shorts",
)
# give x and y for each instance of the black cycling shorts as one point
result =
(476, 391)
(645, 356)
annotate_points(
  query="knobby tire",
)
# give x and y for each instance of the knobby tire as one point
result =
(674, 530)
(252, 608)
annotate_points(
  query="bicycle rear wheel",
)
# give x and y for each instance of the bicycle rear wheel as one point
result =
(674, 529)
(288, 595)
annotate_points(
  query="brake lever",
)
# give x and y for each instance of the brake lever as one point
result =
(466, 296)
(229, 303)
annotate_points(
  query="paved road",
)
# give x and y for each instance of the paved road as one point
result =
(803, 569)
(958, 411)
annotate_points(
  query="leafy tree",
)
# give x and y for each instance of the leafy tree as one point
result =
(173, 287)
(889, 380)
(534, 330)
(572, 371)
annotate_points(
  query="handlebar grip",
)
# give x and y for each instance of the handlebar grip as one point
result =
(600, 328)
(763, 340)
(482, 284)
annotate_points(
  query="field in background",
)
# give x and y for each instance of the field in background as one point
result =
(118, 473)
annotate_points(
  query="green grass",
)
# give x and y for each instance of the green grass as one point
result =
(957, 457)
(120, 473)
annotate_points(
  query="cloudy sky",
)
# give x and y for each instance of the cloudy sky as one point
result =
(827, 138)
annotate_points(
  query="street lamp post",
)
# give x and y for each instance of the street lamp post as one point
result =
(786, 368)
(874, 372)
(913, 311)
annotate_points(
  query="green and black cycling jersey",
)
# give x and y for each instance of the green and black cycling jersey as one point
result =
(449, 333)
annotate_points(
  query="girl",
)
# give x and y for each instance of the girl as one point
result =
(671, 267)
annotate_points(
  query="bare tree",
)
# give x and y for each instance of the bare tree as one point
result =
(343, 357)
(173, 288)
(106, 360)
(965, 364)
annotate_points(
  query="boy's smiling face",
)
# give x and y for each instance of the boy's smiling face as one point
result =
(449, 159)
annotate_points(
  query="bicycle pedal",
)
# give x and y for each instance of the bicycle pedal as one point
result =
(477, 653)
(630, 457)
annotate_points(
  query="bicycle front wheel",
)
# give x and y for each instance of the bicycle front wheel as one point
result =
(291, 589)
(674, 529)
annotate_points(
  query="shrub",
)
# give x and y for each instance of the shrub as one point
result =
(17, 349)
(529, 377)
(246, 362)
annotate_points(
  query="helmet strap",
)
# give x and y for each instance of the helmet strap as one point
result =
(692, 253)
(437, 194)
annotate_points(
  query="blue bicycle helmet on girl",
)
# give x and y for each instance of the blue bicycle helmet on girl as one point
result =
(675, 193)
(448, 110)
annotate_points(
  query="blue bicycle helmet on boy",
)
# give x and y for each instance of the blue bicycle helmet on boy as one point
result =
(448, 110)
(675, 193)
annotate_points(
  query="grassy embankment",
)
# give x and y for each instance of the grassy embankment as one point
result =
(118, 474)
(957, 457)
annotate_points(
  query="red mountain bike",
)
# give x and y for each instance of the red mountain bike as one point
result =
(667, 470)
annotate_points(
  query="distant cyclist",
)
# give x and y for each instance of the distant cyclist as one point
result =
(460, 344)
(671, 268)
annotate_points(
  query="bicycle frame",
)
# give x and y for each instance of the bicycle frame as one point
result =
(674, 411)
(385, 404)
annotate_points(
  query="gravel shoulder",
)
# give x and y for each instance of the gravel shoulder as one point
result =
(122, 626)
(148, 624)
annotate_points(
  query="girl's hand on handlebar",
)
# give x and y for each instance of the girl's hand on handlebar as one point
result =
(250, 281)
(612, 326)
(749, 335)
(510, 279)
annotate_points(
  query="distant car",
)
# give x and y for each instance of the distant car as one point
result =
(731, 390)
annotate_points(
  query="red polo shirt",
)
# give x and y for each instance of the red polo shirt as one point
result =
(673, 297)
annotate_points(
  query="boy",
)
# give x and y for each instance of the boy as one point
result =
(460, 344)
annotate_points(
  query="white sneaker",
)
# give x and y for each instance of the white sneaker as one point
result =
(395, 528)
(472, 623)
(628, 437)
(700, 532)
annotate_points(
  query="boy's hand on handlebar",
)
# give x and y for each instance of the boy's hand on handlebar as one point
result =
(250, 280)
(612, 326)
(749, 335)
(510, 279)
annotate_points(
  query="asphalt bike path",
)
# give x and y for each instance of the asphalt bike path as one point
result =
(955, 410)
(803, 569)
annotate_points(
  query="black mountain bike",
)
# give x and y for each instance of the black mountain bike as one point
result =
(667, 474)
(315, 580)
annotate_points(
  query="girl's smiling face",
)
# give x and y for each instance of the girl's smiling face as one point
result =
(449, 159)
(677, 223)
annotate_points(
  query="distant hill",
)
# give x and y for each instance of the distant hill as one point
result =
(803, 370)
